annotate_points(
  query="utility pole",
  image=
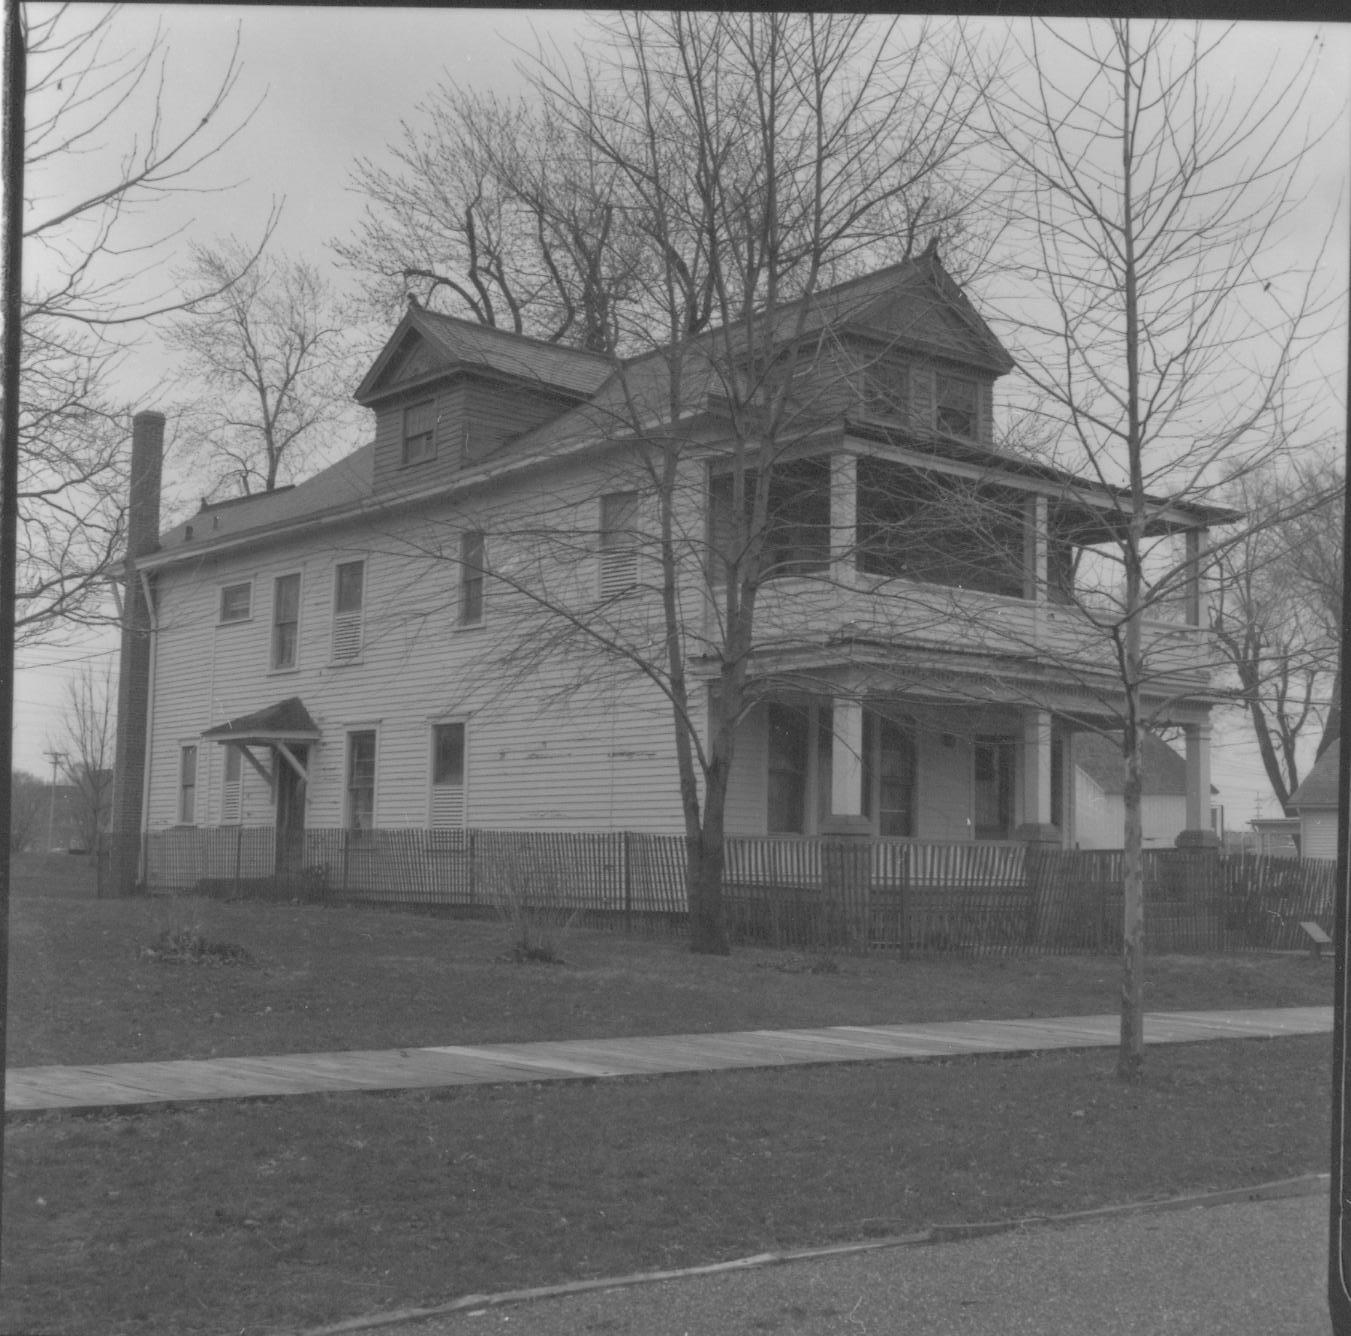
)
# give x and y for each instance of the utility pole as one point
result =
(55, 757)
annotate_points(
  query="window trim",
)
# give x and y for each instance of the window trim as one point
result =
(246, 615)
(188, 783)
(472, 583)
(407, 457)
(294, 664)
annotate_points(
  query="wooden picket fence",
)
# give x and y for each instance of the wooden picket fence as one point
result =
(910, 896)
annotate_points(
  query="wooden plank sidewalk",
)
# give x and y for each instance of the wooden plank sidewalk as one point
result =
(112, 1085)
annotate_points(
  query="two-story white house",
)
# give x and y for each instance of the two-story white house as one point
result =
(449, 627)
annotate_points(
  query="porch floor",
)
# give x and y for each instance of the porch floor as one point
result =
(28, 1089)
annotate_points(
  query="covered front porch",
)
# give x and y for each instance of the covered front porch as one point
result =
(914, 765)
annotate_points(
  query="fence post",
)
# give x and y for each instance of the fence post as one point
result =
(846, 874)
(628, 884)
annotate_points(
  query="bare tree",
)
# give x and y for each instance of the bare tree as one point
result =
(273, 355)
(1155, 317)
(87, 742)
(91, 284)
(1276, 611)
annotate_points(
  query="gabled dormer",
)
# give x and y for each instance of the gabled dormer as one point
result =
(449, 395)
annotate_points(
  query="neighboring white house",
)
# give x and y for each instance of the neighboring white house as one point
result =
(403, 639)
(1315, 804)
(1099, 793)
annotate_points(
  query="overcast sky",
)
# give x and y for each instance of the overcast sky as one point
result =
(334, 84)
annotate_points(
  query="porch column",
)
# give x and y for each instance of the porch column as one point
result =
(843, 517)
(1035, 548)
(846, 758)
(1036, 768)
(1198, 833)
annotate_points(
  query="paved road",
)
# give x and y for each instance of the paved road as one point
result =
(1247, 1269)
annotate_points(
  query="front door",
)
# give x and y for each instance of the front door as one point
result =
(992, 794)
(291, 811)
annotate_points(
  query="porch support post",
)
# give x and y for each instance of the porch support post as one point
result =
(1036, 757)
(1198, 834)
(843, 518)
(846, 757)
(1035, 548)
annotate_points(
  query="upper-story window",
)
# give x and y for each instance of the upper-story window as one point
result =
(618, 543)
(955, 409)
(419, 432)
(796, 537)
(236, 602)
(884, 386)
(285, 620)
(349, 578)
(471, 578)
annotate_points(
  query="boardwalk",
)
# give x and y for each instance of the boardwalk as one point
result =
(112, 1085)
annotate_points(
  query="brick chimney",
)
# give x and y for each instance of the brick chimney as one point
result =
(133, 684)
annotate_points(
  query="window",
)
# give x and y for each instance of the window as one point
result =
(187, 785)
(361, 782)
(956, 408)
(884, 386)
(797, 517)
(448, 796)
(419, 432)
(787, 770)
(895, 779)
(235, 602)
(231, 794)
(618, 543)
(992, 796)
(471, 578)
(348, 593)
(285, 620)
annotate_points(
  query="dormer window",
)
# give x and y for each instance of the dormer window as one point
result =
(956, 406)
(419, 432)
(884, 387)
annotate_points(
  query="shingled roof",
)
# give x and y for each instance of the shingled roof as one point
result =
(1320, 784)
(1163, 771)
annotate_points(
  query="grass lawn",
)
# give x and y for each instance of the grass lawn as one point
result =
(268, 1216)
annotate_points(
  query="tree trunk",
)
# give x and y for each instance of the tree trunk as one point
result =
(1131, 1054)
(705, 858)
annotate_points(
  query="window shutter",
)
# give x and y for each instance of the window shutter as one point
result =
(346, 635)
(618, 543)
(448, 808)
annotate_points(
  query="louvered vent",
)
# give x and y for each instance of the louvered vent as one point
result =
(618, 572)
(346, 635)
(447, 830)
(231, 802)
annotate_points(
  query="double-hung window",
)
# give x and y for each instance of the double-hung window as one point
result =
(285, 620)
(232, 788)
(360, 815)
(349, 580)
(471, 578)
(419, 432)
(955, 411)
(187, 785)
(448, 789)
(236, 601)
(618, 543)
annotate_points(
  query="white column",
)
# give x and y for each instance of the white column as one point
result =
(843, 517)
(846, 757)
(1036, 767)
(1198, 602)
(1198, 776)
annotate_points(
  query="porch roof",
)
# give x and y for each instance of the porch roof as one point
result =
(286, 721)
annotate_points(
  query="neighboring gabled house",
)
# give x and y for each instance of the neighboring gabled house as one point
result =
(402, 640)
(1099, 807)
(1314, 803)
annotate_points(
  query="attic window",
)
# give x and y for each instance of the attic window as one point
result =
(419, 432)
(884, 385)
(956, 407)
